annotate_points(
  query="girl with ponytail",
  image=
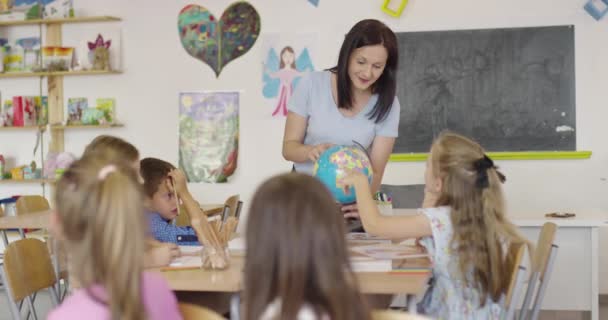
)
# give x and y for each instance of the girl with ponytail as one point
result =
(99, 219)
(462, 225)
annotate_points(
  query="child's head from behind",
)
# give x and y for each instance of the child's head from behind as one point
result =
(114, 148)
(461, 172)
(470, 184)
(159, 195)
(99, 216)
(296, 251)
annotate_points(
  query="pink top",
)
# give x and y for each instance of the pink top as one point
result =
(159, 301)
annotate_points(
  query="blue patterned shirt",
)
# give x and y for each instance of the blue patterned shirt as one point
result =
(164, 231)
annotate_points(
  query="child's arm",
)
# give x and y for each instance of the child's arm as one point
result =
(159, 254)
(193, 210)
(394, 227)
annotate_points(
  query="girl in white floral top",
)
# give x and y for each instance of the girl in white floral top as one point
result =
(462, 225)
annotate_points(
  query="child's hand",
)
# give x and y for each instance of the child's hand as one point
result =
(163, 254)
(350, 211)
(179, 181)
(353, 178)
(315, 151)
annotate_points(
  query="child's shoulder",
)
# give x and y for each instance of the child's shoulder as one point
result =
(77, 304)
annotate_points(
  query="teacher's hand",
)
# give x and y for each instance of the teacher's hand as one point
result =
(315, 151)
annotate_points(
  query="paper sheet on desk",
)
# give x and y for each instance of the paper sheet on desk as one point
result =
(190, 250)
(385, 251)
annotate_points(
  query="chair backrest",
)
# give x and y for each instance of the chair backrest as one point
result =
(1, 212)
(543, 248)
(405, 196)
(539, 265)
(31, 204)
(394, 315)
(28, 267)
(192, 312)
(515, 254)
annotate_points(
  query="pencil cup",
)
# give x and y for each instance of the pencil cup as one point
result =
(214, 258)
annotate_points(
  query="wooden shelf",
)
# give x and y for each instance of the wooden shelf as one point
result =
(59, 21)
(56, 73)
(25, 181)
(26, 128)
(85, 126)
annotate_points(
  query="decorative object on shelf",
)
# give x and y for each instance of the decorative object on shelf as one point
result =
(76, 107)
(6, 116)
(217, 42)
(30, 48)
(57, 9)
(57, 58)
(13, 58)
(32, 172)
(99, 53)
(20, 10)
(107, 106)
(56, 163)
(92, 116)
(41, 104)
(208, 135)
(17, 173)
(25, 111)
(597, 8)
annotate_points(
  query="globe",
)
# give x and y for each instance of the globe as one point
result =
(333, 165)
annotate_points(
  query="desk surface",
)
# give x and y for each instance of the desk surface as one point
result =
(230, 280)
(40, 220)
(537, 219)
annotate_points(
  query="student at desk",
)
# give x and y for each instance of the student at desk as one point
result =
(297, 265)
(463, 227)
(163, 184)
(99, 220)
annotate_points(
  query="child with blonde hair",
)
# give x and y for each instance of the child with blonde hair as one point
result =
(99, 220)
(462, 225)
(110, 148)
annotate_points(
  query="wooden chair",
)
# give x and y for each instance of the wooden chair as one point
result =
(541, 267)
(395, 315)
(514, 279)
(27, 269)
(194, 312)
(32, 203)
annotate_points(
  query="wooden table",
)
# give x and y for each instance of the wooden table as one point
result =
(230, 280)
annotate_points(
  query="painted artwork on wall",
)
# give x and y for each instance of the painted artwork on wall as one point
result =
(208, 135)
(286, 59)
(218, 42)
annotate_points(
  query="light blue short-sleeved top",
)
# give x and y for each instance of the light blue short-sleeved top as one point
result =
(313, 99)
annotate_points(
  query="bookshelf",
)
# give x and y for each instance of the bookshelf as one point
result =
(53, 37)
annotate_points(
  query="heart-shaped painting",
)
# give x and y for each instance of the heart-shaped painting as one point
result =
(214, 42)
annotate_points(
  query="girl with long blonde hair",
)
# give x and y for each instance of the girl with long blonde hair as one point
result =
(99, 219)
(462, 225)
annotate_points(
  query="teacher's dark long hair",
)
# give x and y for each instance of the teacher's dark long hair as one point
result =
(369, 32)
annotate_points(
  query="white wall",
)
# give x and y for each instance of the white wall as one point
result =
(156, 69)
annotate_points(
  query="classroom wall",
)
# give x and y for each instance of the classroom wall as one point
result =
(156, 69)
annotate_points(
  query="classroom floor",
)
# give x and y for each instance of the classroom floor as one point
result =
(43, 305)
